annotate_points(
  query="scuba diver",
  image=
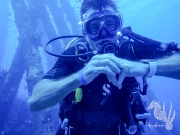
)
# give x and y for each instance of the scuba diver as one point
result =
(86, 79)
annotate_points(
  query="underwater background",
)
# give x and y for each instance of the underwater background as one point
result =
(27, 25)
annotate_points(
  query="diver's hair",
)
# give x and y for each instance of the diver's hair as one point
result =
(96, 5)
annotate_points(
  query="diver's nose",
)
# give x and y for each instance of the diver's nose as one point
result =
(104, 33)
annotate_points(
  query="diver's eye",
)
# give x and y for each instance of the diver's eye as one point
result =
(93, 31)
(111, 26)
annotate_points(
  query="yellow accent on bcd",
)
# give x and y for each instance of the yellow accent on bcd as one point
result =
(78, 94)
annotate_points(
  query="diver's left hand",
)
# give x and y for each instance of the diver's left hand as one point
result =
(129, 69)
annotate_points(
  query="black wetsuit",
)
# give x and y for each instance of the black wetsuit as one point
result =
(98, 114)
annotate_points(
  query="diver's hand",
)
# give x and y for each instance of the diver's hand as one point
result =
(131, 69)
(102, 63)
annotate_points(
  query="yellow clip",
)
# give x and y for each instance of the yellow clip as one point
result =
(78, 94)
(132, 48)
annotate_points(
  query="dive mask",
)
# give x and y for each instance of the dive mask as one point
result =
(112, 22)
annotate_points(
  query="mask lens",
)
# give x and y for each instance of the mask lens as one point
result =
(92, 26)
(112, 23)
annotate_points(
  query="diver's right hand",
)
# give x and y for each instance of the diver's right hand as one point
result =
(102, 63)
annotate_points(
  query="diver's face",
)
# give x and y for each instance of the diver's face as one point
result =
(100, 26)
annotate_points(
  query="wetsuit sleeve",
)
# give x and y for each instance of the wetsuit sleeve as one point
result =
(64, 66)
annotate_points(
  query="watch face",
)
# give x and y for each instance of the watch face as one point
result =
(147, 60)
(178, 46)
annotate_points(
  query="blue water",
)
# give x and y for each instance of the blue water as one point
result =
(156, 19)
